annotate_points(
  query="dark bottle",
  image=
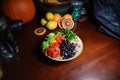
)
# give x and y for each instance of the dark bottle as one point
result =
(8, 46)
(14, 25)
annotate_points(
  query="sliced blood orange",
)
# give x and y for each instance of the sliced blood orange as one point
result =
(67, 23)
(60, 23)
(40, 31)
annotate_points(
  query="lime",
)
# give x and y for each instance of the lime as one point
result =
(43, 22)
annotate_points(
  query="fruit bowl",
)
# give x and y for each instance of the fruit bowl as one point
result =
(61, 7)
(63, 45)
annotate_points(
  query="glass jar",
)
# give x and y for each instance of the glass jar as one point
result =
(76, 9)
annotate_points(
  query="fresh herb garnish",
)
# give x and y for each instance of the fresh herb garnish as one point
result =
(69, 35)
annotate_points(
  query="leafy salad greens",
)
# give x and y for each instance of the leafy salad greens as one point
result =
(69, 35)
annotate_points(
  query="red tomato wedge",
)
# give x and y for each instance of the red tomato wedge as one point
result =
(60, 38)
(53, 50)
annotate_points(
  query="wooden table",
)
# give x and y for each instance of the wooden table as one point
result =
(99, 60)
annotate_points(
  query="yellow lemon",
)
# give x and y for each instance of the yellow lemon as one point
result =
(49, 16)
(43, 22)
(51, 25)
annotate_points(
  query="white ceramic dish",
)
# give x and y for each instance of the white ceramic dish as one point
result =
(78, 49)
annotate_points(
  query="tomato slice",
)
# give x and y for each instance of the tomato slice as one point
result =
(53, 50)
(60, 38)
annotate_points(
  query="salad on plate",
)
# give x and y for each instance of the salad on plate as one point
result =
(63, 45)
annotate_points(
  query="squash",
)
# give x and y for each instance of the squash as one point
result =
(18, 9)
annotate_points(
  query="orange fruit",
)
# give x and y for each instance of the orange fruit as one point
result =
(39, 31)
(60, 22)
(67, 23)
(68, 16)
(56, 16)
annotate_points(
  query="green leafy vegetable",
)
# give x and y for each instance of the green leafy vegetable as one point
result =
(50, 37)
(45, 44)
(69, 35)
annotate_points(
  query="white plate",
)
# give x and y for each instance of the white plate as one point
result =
(79, 49)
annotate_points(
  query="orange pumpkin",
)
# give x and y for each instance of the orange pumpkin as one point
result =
(18, 9)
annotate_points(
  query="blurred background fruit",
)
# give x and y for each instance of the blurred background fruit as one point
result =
(49, 16)
(48, 20)
(56, 17)
(67, 16)
(61, 7)
(51, 25)
(43, 21)
(52, 1)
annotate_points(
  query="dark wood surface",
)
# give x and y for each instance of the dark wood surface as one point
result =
(99, 60)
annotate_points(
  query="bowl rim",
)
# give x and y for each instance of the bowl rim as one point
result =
(75, 56)
(58, 3)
